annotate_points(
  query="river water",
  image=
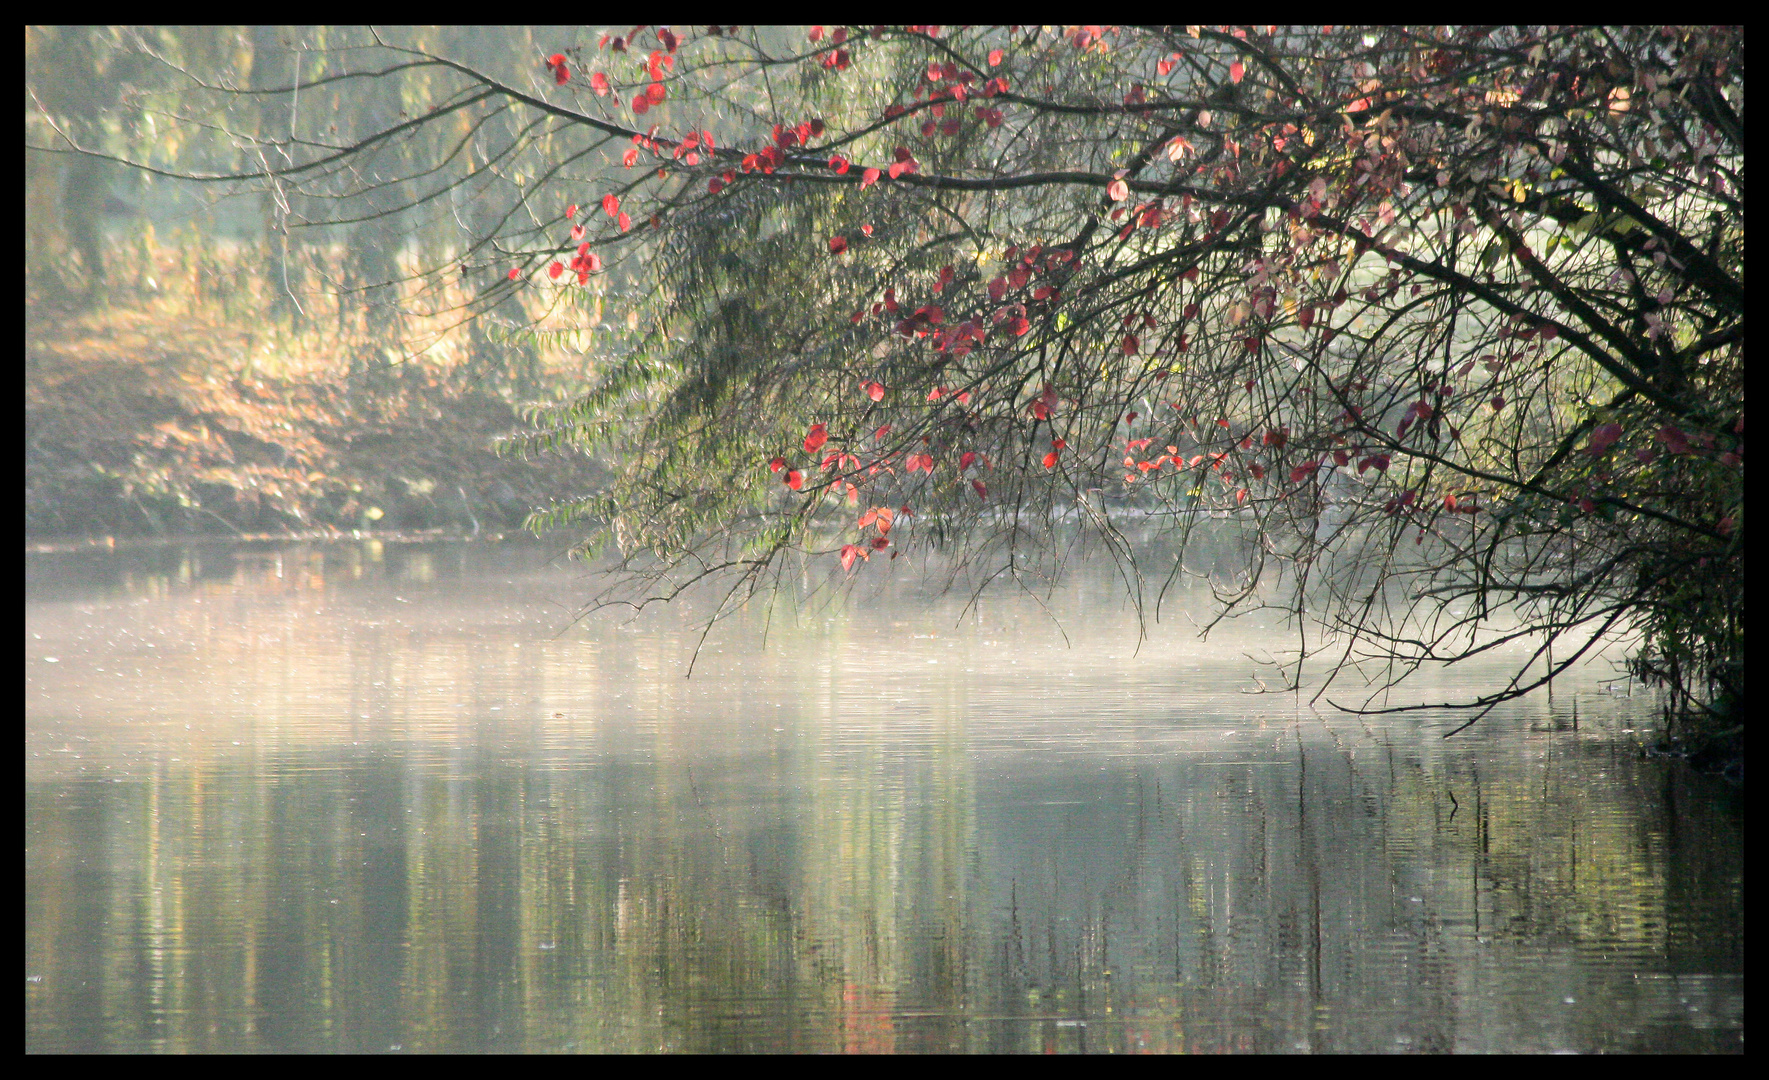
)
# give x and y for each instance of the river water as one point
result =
(383, 797)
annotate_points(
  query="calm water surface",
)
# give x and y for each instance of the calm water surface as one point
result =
(368, 797)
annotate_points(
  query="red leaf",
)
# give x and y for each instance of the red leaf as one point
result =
(838, 244)
(966, 459)
(715, 185)
(641, 104)
(1303, 472)
(630, 158)
(868, 178)
(995, 58)
(515, 273)
(599, 83)
(571, 211)
(623, 221)
(981, 490)
(1050, 460)
(1130, 344)
(1604, 437)
(555, 270)
(876, 392)
(610, 205)
(818, 435)
(851, 552)
(1118, 191)
(816, 33)
(795, 479)
(1236, 71)
(1674, 439)
(777, 464)
(839, 163)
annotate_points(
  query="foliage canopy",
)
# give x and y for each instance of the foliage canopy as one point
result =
(1446, 324)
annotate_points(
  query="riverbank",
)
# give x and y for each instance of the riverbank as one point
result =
(157, 416)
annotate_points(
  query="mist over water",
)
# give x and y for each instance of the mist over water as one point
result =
(369, 797)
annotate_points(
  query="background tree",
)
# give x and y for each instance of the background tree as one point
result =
(1443, 325)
